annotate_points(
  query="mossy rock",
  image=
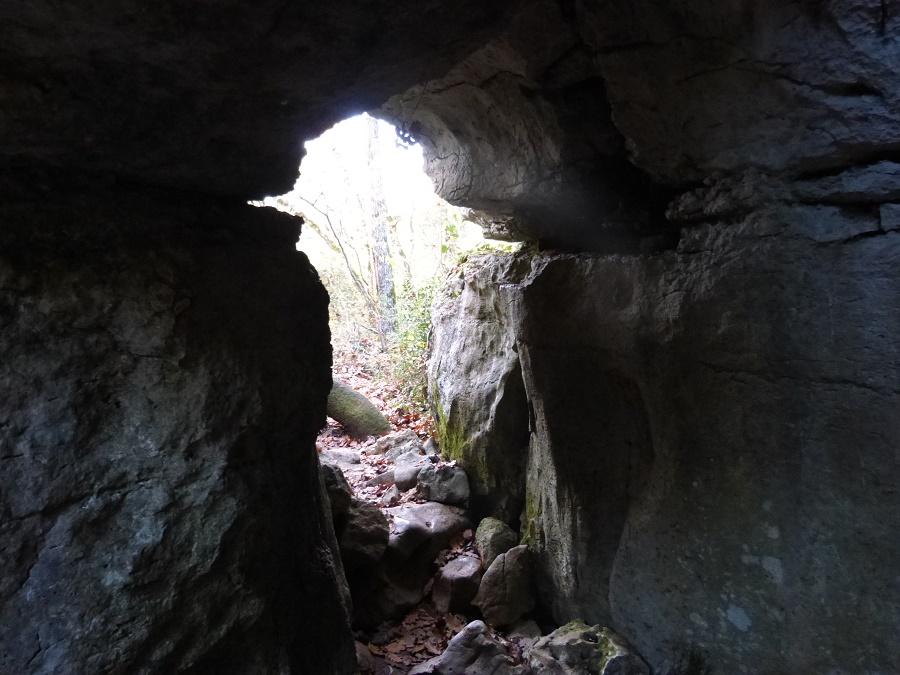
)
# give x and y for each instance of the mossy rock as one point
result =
(355, 412)
(579, 649)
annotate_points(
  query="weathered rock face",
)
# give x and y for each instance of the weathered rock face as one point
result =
(574, 123)
(476, 385)
(744, 389)
(213, 98)
(160, 506)
(522, 132)
(165, 357)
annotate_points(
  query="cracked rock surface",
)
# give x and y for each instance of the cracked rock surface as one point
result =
(153, 462)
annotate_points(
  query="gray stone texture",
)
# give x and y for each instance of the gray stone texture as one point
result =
(456, 584)
(476, 387)
(418, 532)
(493, 537)
(506, 592)
(160, 501)
(444, 483)
(712, 390)
(473, 651)
(357, 414)
(712, 431)
(579, 649)
(339, 492)
(363, 537)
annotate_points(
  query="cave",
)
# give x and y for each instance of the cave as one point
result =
(684, 392)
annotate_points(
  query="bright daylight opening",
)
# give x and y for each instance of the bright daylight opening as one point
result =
(382, 242)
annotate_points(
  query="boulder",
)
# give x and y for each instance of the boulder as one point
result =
(492, 538)
(390, 497)
(526, 631)
(355, 412)
(339, 456)
(456, 584)
(338, 490)
(579, 649)
(406, 472)
(383, 478)
(417, 533)
(475, 383)
(473, 651)
(364, 536)
(429, 526)
(398, 443)
(444, 483)
(365, 659)
(346, 459)
(506, 590)
(431, 447)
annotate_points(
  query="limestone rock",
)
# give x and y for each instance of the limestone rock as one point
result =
(161, 506)
(398, 443)
(474, 651)
(340, 457)
(303, 61)
(444, 483)
(365, 659)
(492, 538)
(417, 533)
(675, 343)
(364, 536)
(506, 591)
(527, 631)
(383, 478)
(579, 649)
(408, 464)
(406, 477)
(355, 412)
(338, 490)
(430, 526)
(456, 584)
(390, 497)
(430, 447)
(476, 384)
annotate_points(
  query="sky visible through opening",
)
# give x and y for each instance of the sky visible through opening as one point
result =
(338, 167)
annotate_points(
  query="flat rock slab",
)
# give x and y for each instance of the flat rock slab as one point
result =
(412, 525)
(474, 651)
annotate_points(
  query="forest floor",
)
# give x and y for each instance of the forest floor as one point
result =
(396, 646)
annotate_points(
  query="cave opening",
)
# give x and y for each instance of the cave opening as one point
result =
(382, 242)
(388, 250)
(680, 397)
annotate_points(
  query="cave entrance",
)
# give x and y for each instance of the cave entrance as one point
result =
(382, 241)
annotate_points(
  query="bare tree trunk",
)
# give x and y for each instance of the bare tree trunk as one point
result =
(381, 252)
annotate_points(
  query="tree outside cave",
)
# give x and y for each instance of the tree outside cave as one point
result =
(382, 242)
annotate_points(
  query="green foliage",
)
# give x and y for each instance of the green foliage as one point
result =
(531, 529)
(408, 353)
(489, 246)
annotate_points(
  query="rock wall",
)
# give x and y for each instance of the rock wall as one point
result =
(714, 396)
(165, 367)
(712, 428)
(714, 437)
(475, 383)
(522, 132)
